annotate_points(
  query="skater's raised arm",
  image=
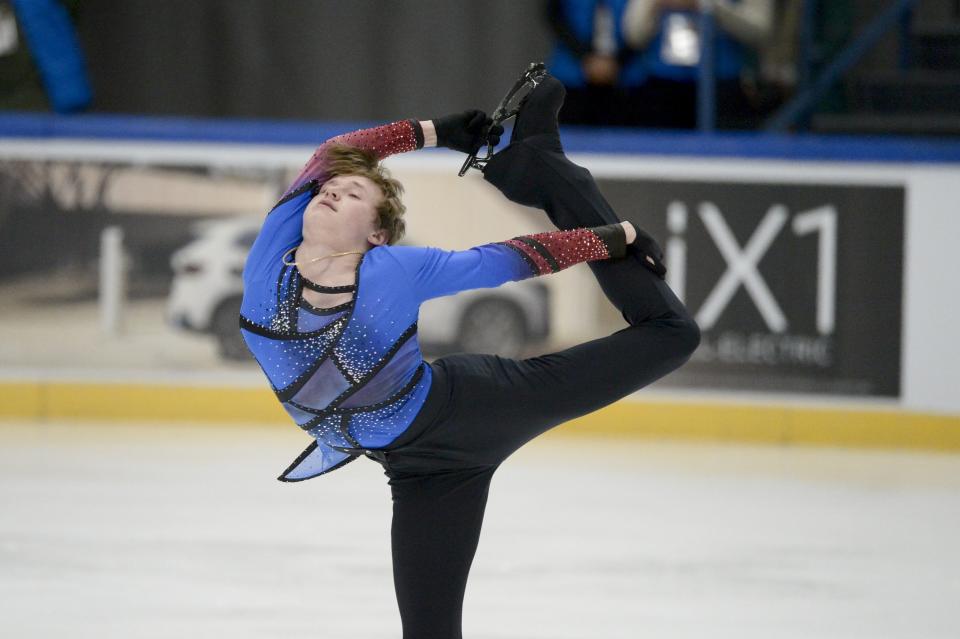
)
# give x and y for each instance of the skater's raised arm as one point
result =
(435, 272)
(461, 132)
(383, 141)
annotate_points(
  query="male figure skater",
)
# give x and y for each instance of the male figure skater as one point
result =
(330, 310)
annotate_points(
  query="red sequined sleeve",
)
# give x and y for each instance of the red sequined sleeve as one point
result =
(551, 252)
(386, 140)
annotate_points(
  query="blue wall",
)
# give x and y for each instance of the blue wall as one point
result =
(583, 140)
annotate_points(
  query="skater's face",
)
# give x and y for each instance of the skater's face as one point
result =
(343, 215)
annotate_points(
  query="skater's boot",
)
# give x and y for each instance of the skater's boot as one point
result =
(538, 115)
(518, 170)
(533, 170)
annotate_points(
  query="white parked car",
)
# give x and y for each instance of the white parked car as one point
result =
(208, 286)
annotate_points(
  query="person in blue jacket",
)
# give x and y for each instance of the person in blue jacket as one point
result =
(667, 35)
(330, 313)
(601, 71)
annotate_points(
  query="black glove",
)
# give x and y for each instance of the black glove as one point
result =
(467, 132)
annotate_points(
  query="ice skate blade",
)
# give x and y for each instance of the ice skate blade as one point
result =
(508, 108)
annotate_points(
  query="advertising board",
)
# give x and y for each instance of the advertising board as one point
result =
(796, 287)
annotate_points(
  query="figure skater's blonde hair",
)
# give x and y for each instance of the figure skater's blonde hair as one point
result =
(349, 160)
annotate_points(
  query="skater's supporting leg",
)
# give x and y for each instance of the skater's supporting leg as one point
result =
(436, 528)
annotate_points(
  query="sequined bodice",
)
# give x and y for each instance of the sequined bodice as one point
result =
(349, 375)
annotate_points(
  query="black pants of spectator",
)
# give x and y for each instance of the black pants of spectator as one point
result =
(605, 106)
(669, 104)
(482, 408)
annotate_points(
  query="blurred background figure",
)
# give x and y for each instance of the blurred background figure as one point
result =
(777, 71)
(667, 33)
(601, 71)
(41, 63)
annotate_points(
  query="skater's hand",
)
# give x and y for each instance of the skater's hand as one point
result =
(467, 132)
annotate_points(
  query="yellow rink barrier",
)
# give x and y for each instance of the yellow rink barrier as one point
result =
(655, 418)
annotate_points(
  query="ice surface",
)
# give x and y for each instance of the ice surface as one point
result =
(158, 531)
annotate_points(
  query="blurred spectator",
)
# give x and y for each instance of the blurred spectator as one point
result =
(831, 28)
(41, 65)
(600, 71)
(668, 33)
(778, 59)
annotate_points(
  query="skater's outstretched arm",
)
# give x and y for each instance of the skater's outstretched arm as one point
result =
(435, 272)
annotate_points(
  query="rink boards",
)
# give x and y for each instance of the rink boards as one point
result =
(760, 420)
(892, 374)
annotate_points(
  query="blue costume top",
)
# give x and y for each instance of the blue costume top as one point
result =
(352, 376)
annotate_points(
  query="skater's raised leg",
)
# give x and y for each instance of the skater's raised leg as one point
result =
(533, 170)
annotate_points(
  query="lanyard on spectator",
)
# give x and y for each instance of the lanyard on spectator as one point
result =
(680, 45)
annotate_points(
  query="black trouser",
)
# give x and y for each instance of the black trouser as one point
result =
(482, 408)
